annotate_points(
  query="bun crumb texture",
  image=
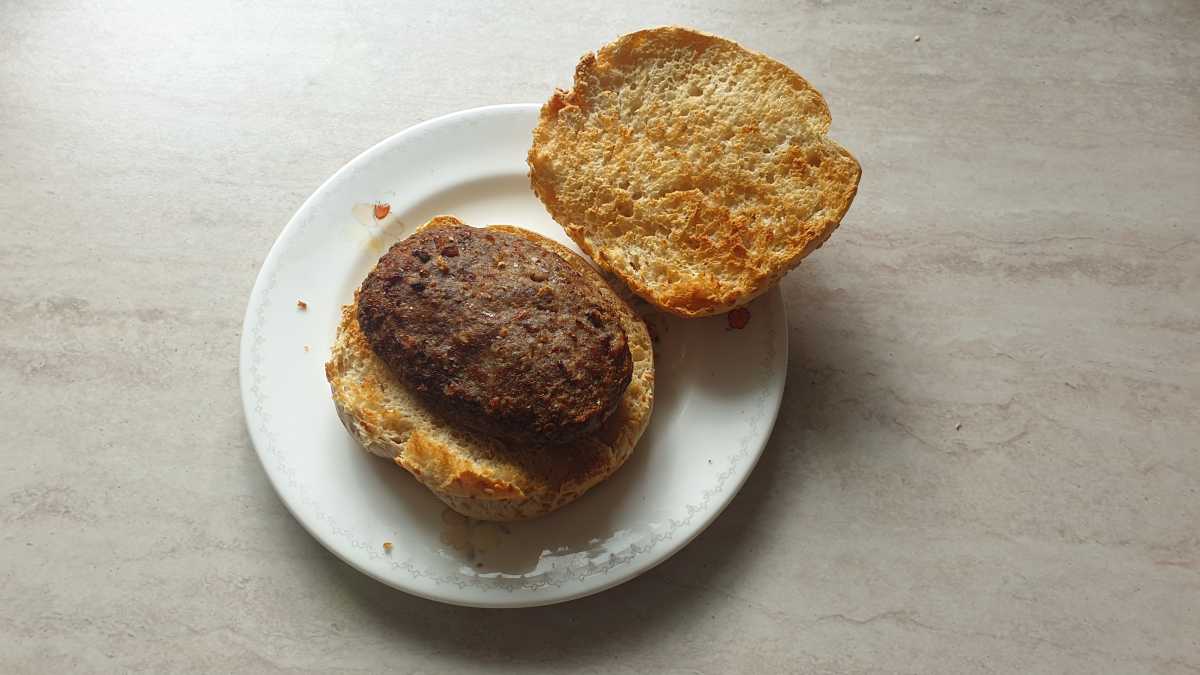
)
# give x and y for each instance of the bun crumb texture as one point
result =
(695, 170)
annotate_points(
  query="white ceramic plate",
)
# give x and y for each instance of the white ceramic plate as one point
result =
(716, 397)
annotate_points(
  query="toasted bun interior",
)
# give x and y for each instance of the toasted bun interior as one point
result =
(695, 170)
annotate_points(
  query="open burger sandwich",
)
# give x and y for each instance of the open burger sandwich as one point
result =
(498, 367)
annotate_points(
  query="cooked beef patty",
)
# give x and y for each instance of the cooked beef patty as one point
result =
(497, 334)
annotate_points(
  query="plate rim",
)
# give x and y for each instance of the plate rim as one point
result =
(512, 599)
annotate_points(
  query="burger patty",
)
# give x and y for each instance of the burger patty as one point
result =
(497, 334)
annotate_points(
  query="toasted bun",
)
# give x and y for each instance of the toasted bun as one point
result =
(479, 476)
(697, 171)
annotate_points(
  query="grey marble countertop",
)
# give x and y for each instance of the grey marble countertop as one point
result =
(988, 455)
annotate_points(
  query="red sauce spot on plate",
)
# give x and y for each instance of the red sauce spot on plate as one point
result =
(738, 318)
(382, 209)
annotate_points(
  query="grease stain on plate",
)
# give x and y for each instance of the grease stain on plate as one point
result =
(475, 541)
(376, 220)
(503, 550)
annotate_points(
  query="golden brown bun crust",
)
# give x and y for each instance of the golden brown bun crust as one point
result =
(477, 476)
(696, 171)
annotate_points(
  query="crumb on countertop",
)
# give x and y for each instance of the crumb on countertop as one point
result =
(916, 38)
(305, 347)
(387, 546)
(301, 305)
(958, 426)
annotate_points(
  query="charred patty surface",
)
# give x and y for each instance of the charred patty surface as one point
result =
(497, 334)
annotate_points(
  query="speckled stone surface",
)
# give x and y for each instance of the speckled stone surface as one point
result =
(988, 457)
